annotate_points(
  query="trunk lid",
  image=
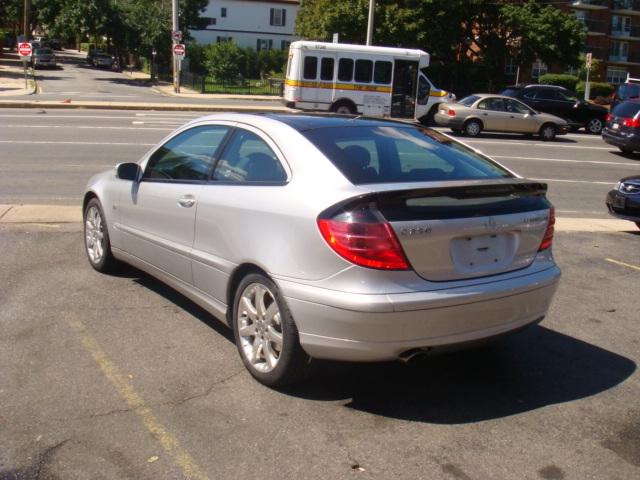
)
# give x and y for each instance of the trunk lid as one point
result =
(468, 231)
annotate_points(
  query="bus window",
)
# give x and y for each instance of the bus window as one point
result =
(364, 71)
(310, 68)
(345, 70)
(326, 69)
(382, 73)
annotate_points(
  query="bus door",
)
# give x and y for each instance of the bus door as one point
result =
(403, 94)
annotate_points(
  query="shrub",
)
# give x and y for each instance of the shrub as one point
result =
(561, 79)
(598, 89)
(223, 60)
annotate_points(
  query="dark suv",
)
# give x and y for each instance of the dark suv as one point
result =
(562, 103)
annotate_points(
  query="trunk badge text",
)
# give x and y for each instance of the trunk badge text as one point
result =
(416, 231)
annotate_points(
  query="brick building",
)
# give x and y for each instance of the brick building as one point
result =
(613, 35)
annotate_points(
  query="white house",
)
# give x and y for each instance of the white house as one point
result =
(260, 24)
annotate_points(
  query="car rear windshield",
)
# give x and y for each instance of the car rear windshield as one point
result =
(397, 154)
(43, 51)
(626, 109)
(628, 90)
(468, 101)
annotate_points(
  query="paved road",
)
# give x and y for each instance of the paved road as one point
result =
(48, 155)
(119, 377)
(77, 81)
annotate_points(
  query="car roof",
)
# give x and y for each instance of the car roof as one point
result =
(493, 95)
(535, 85)
(304, 122)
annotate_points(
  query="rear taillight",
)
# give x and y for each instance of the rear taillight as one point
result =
(631, 122)
(451, 112)
(547, 240)
(609, 117)
(364, 237)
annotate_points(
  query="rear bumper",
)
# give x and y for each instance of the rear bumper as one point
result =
(447, 121)
(622, 206)
(628, 140)
(356, 327)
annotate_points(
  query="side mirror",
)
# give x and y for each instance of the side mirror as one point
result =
(128, 171)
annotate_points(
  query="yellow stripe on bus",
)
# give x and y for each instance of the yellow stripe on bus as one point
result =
(338, 86)
(350, 86)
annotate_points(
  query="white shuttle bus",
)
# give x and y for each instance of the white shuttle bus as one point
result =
(374, 81)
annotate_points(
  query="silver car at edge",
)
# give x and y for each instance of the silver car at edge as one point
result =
(330, 237)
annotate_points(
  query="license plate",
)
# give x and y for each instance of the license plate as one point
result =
(615, 126)
(619, 202)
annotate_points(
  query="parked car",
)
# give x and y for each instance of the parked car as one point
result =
(496, 113)
(44, 57)
(624, 200)
(627, 91)
(103, 60)
(331, 237)
(623, 127)
(92, 53)
(562, 103)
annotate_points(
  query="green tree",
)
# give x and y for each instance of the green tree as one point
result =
(223, 60)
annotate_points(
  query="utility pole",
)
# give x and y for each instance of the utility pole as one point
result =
(176, 62)
(372, 6)
(27, 14)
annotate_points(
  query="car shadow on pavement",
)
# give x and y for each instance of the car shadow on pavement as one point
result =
(131, 82)
(532, 369)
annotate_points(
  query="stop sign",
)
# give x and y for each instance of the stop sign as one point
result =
(179, 49)
(24, 49)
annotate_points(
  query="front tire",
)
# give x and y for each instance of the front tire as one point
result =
(472, 128)
(265, 333)
(96, 238)
(626, 150)
(594, 126)
(548, 132)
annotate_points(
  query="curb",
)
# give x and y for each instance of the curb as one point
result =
(142, 106)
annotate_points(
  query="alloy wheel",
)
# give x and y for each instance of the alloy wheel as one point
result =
(94, 234)
(594, 126)
(260, 327)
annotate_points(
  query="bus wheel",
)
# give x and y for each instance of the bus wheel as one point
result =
(344, 108)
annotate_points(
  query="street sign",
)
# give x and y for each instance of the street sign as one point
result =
(335, 38)
(179, 50)
(176, 35)
(588, 58)
(24, 49)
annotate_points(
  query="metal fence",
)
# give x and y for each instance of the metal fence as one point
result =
(204, 84)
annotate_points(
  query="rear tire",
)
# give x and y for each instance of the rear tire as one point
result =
(344, 108)
(626, 150)
(594, 126)
(548, 132)
(472, 128)
(266, 335)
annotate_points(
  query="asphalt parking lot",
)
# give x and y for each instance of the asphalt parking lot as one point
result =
(110, 377)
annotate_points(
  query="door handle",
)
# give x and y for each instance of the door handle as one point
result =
(485, 114)
(187, 201)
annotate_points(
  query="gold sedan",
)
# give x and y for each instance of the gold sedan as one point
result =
(497, 113)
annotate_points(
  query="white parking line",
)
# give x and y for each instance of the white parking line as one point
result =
(79, 127)
(597, 162)
(528, 144)
(42, 142)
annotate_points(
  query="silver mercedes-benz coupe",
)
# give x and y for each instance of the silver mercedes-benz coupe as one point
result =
(330, 237)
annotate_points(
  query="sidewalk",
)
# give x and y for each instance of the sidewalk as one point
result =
(12, 76)
(17, 214)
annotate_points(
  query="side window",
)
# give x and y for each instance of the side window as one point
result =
(345, 70)
(382, 73)
(494, 104)
(187, 156)
(247, 158)
(364, 71)
(423, 90)
(515, 107)
(326, 69)
(546, 95)
(310, 68)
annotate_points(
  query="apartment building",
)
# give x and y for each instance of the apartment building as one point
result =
(613, 35)
(260, 24)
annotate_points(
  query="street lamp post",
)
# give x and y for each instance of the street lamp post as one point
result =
(372, 6)
(154, 68)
